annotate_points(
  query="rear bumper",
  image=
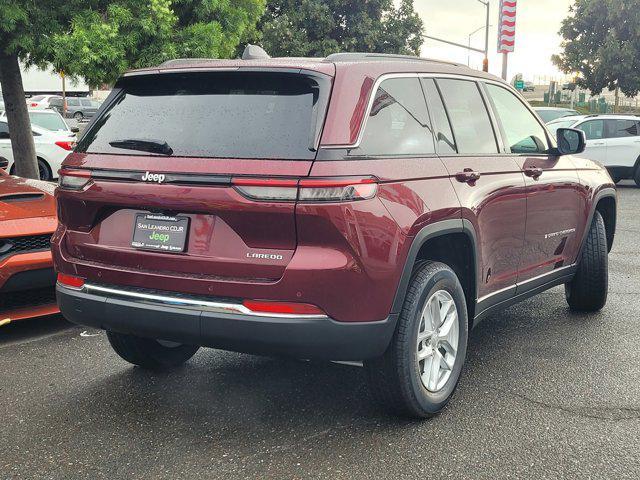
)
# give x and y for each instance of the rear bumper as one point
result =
(318, 338)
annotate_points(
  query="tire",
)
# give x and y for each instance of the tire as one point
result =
(148, 353)
(78, 116)
(44, 170)
(587, 292)
(636, 177)
(396, 378)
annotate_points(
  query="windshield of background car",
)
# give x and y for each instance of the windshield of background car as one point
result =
(554, 126)
(47, 120)
(224, 115)
(550, 115)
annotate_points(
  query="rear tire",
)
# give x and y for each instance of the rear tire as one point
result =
(148, 353)
(403, 383)
(636, 177)
(78, 116)
(587, 292)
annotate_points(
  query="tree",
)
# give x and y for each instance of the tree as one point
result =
(99, 39)
(602, 44)
(322, 27)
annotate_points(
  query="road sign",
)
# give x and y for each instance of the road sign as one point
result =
(519, 85)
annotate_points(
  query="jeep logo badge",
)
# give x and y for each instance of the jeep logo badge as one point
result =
(152, 177)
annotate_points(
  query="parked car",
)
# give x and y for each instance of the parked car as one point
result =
(77, 108)
(41, 101)
(362, 207)
(51, 149)
(549, 114)
(49, 120)
(27, 221)
(613, 140)
(529, 87)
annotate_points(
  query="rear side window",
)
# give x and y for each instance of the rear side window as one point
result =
(523, 132)
(73, 102)
(441, 126)
(4, 130)
(593, 129)
(223, 115)
(622, 128)
(469, 117)
(85, 103)
(398, 122)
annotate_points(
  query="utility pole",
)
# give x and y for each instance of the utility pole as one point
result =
(485, 63)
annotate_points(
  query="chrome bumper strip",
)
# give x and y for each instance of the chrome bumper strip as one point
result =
(209, 306)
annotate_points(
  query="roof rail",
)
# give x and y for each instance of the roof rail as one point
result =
(361, 57)
(179, 62)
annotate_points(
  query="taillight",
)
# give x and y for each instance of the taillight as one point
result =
(66, 145)
(336, 189)
(286, 308)
(70, 281)
(73, 179)
(284, 190)
(33, 104)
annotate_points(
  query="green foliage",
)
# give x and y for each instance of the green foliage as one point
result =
(321, 27)
(602, 43)
(99, 39)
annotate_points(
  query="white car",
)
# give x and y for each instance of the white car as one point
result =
(48, 119)
(51, 149)
(613, 140)
(40, 101)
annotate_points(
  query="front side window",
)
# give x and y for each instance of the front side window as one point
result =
(622, 128)
(398, 123)
(593, 129)
(4, 130)
(73, 102)
(523, 132)
(469, 117)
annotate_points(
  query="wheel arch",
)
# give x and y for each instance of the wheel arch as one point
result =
(604, 202)
(452, 242)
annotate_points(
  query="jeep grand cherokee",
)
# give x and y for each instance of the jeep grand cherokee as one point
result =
(359, 207)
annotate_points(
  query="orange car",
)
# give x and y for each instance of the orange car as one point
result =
(27, 221)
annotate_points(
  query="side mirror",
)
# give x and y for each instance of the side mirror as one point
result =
(75, 130)
(571, 141)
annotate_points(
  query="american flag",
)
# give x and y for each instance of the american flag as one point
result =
(507, 26)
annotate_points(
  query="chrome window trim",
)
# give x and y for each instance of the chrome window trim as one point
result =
(209, 306)
(478, 80)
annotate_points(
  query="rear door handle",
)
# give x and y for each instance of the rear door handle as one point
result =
(599, 144)
(468, 176)
(533, 172)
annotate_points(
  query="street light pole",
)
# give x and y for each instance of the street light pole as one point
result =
(469, 44)
(485, 63)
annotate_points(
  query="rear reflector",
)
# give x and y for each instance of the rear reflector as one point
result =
(265, 306)
(73, 179)
(337, 189)
(70, 281)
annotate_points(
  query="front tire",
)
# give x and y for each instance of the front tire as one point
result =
(148, 353)
(587, 292)
(419, 372)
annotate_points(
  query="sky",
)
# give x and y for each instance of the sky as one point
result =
(537, 26)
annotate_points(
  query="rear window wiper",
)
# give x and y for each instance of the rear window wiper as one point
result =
(143, 145)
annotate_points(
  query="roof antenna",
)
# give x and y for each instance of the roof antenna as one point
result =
(254, 52)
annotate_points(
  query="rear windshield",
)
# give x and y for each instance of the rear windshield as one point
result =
(223, 115)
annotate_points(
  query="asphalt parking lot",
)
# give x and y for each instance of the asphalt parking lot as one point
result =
(546, 394)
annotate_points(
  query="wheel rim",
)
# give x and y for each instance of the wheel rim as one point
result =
(437, 341)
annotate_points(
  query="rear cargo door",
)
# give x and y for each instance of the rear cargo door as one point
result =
(192, 173)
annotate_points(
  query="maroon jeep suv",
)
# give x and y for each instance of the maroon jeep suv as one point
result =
(359, 207)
